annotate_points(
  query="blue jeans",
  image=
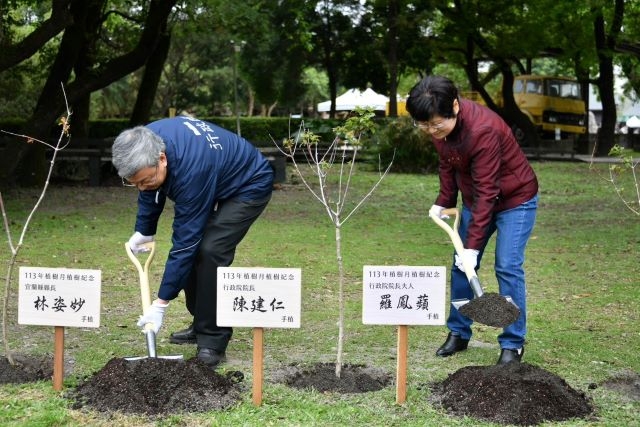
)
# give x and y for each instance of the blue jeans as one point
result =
(513, 228)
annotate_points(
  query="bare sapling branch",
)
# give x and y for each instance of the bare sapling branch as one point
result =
(624, 171)
(62, 142)
(333, 167)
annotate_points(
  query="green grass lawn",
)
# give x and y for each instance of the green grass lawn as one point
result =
(583, 298)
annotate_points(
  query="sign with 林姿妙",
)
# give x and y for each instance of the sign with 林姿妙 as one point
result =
(403, 295)
(59, 297)
(259, 297)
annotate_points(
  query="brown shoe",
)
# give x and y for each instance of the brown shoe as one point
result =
(452, 345)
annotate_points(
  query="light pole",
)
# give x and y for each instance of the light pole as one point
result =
(237, 47)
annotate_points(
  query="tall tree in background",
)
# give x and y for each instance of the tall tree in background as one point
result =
(28, 160)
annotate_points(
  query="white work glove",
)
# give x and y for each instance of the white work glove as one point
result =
(436, 211)
(470, 257)
(154, 315)
(137, 240)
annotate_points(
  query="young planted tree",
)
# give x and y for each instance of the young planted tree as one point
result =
(334, 167)
(62, 142)
(624, 178)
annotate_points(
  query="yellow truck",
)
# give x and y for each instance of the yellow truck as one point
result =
(553, 104)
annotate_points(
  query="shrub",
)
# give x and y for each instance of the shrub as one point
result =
(414, 152)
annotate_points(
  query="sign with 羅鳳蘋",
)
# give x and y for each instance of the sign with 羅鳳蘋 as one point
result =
(59, 297)
(403, 295)
(259, 297)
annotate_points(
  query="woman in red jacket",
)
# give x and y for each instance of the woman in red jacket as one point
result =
(480, 158)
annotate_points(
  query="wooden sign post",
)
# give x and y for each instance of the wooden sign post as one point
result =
(402, 296)
(259, 298)
(59, 297)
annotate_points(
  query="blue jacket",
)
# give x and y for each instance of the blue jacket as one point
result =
(206, 163)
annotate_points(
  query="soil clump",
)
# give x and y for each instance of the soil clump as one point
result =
(491, 309)
(157, 387)
(515, 393)
(322, 377)
(26, 369)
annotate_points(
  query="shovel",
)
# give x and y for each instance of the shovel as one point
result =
(490, 309)
(146, 301)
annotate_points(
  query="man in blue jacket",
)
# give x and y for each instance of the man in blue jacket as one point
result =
(219, 184)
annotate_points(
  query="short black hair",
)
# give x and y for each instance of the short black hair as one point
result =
(432, 96)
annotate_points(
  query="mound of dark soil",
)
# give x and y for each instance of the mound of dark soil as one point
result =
(157, 387)
(26, 369)
(322, 377)
(515, 393)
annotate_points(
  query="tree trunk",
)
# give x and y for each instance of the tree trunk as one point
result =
(150, 80)
(51, 103)
(392, 24)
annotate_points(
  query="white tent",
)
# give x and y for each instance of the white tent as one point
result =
(353, 98)
(633, 122)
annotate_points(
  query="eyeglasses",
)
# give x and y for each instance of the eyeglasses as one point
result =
(144, 183)
(427, 126)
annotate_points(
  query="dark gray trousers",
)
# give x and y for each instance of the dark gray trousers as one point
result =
(226, 227)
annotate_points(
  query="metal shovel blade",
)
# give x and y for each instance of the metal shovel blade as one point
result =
(151, 349)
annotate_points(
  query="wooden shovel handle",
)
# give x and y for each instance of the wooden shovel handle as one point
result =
(143, 272)
(455, 238)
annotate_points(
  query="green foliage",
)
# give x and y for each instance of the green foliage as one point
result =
(410, 148)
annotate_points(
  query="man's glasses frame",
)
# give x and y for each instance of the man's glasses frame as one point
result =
(144, 182)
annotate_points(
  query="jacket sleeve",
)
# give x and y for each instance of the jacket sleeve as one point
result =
(190, 220)
(150, 206)
(448, 196)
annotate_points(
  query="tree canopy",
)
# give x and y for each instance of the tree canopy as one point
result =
(136, 58)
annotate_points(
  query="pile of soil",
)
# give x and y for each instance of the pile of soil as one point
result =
(491, 309)
(26, 369)
(158, 386)
(515, 393)
(322, 377)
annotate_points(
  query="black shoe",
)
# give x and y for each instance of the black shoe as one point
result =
(510, 355)
(452, 345)
(185, 336)
(211, 357)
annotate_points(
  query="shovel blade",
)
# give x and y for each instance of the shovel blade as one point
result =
(490, 309)
(151, 349)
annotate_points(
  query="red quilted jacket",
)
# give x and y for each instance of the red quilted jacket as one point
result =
(483, 160)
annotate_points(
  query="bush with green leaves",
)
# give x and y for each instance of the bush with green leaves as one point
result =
(410, 148)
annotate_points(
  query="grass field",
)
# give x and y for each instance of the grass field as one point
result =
(583, 299)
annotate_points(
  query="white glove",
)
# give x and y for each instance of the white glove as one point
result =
(470, 257)
(436, 212)
(137, 240)
(154, 315)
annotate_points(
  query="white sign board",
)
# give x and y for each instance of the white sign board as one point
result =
(259, 297)
(403, 295)
(59, 297)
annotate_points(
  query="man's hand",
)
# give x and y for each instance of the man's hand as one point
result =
(154, 315)
(470, 258)
(436, 212)
(137, 241)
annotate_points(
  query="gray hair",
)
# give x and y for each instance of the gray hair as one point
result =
(134, 149)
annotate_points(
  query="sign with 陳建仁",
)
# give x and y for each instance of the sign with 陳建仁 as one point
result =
(59, 297)
(403, 295)
(259, 297)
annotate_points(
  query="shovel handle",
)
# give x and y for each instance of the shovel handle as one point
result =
(143, 272)
(474, 282)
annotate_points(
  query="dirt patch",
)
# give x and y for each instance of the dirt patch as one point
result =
(26, 369)
(322, 377)
(158, 387)
(627, 384)
(515, 393)
(491, 309)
